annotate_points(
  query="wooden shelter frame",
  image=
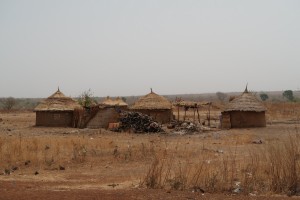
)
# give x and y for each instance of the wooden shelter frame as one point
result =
(193, 105)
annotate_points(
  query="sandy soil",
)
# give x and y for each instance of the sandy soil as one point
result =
(104, 175)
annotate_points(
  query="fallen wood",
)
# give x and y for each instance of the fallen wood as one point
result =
(138, 123)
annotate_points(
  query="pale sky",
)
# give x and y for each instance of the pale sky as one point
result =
(125, 47)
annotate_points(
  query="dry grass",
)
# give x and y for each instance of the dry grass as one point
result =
(283, 111)
(271, 168)
(190, 162)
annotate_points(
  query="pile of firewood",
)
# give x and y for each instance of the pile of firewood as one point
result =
(138, 123)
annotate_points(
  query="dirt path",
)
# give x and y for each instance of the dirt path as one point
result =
(30, 190)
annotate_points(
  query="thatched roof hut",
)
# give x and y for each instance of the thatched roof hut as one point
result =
(108, 111)
(245, 102)
(119, 101)
(244, 111)
(57, 102)
(152, 101)
(154, 105)
(56, 110)
(113, 102)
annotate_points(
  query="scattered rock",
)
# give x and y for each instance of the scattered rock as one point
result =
(184, 127)
(116, 152)
(259, 141)
(237, 190)
(8, 129)
(75, 131)
(171, 126)
(203, 128)
(198, 189)
(237, 183)
(7, 172)
(47, 147)
(14, 168)
(61, 167)
(1, 119)
(113, 185)
(27, 162)
(220, 151)
(252, 194)
(249, 175)
(36, 173)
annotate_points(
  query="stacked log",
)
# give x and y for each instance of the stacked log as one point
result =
(138, 123)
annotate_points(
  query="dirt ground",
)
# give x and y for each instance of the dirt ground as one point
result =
(67, 163)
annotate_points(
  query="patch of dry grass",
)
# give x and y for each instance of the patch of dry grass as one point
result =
(270, 168)
(283, 111)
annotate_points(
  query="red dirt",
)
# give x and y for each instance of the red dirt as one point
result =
(91, 179)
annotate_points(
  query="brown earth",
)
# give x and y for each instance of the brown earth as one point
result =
(103, 165)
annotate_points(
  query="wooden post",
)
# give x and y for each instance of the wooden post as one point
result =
(177, 113)
(198, 115)
(184, 113)
(194, 114)
(209, 115)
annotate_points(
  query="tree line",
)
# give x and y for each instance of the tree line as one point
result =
(87, 99)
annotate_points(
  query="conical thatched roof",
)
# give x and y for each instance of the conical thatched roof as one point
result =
(152, 101)
(245, 102)
(57, 102)
(110, 102)
(120, 102)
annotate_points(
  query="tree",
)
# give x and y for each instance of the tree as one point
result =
(263, 96)
(124, 99)
(288, 94)
(86, 99)
(221, 96)
(9, 103)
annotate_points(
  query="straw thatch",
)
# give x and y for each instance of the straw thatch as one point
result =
(58, 102)
(152, 101)
(190, 104)
(245, 102)
(108, 102)
(120, 102)
(107, 112)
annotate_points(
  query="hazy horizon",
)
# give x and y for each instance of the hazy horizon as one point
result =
(126, 47)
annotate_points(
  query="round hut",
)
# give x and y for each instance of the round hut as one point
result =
(155, 106)
(244, 111)
(108, 113)
(56, 110)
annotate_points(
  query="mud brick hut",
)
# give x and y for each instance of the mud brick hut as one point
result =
(155, 106)
(56, 111)
(244, 111)
(107, 112)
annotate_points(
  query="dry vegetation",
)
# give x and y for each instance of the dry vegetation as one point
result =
(214, 162)
(272, 168)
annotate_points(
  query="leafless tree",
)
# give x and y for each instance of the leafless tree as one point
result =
(8, 103)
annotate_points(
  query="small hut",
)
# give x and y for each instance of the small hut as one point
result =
(155, 106)
(244, 111)
(57, 110)
(108, 112)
